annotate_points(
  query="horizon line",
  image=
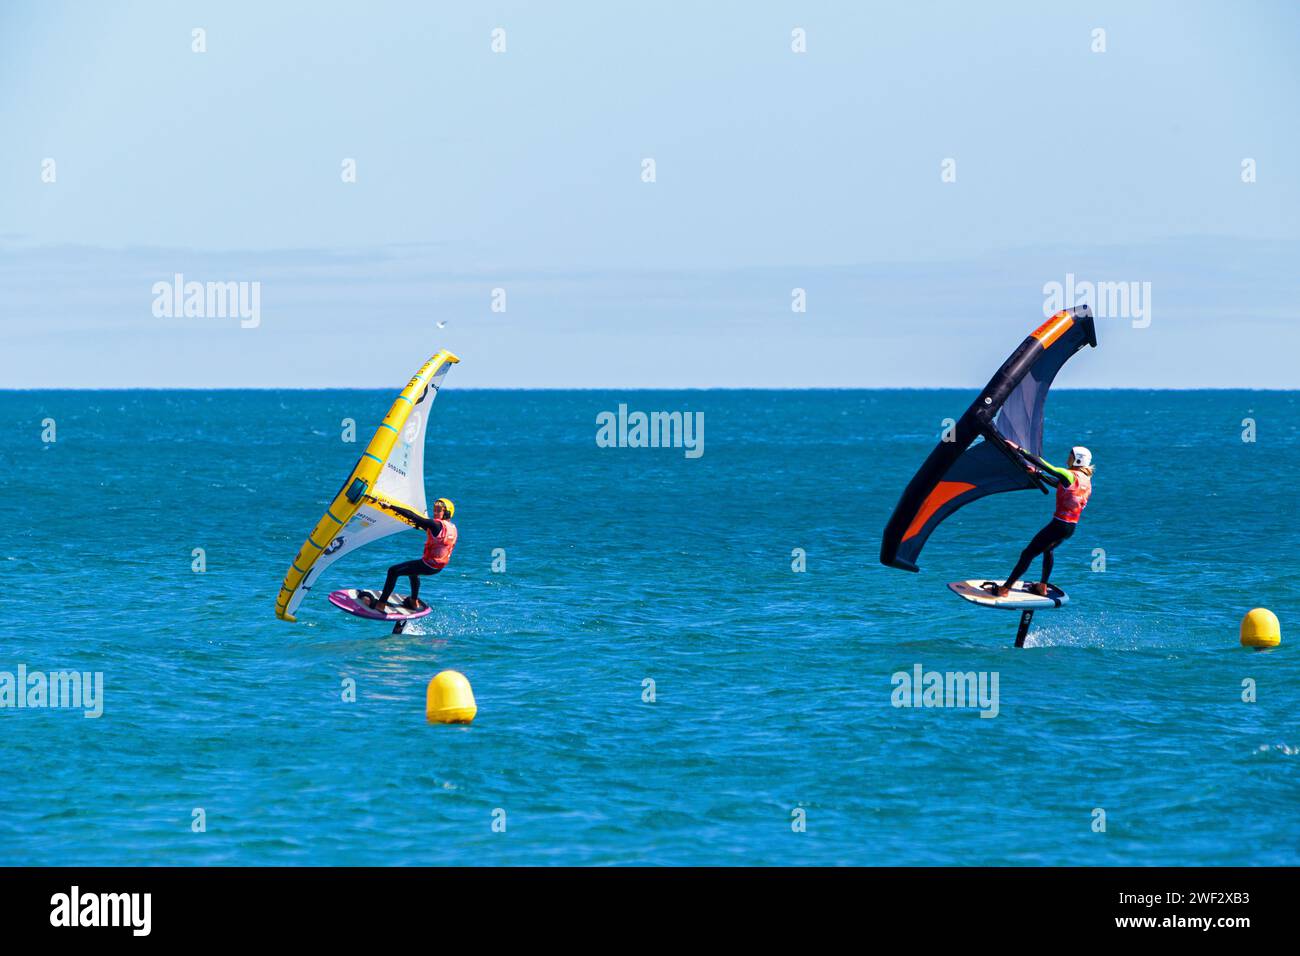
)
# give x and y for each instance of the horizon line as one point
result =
(635, 388)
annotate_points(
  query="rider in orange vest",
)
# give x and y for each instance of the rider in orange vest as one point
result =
(437, 553)
(1073, 489)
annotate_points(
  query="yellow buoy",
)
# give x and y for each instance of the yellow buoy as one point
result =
(1260, 628)
(449, 699)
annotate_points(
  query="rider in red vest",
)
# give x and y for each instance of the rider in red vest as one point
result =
(437, 553)
(1073, 488)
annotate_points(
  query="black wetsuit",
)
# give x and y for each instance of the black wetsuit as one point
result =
(411, 569)
(1043, 543)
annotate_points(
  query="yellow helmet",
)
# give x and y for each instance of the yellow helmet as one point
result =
(446, 503)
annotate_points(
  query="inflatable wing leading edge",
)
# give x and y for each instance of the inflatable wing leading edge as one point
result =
(389, 471)
(977, 461)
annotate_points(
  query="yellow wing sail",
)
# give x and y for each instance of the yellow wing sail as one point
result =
(389, 471)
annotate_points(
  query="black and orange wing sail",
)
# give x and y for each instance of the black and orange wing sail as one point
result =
(976, 461)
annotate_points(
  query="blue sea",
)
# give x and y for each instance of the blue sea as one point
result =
(656, 684)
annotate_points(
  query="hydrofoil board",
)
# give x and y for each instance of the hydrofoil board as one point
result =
(349, 601)
(1020, 598)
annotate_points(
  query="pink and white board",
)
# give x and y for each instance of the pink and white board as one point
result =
(347, 601)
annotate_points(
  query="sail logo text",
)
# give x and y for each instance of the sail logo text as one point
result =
(208, 300)
(626, 429)
(923, 688)
(68, 689)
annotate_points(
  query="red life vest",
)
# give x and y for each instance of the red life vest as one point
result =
(1072, 499)
(438, 547)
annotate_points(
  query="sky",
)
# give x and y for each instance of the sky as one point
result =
(922, 171)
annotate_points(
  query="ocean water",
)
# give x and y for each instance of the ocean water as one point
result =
(771, 689)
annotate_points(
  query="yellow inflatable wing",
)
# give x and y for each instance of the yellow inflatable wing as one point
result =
(390, 471)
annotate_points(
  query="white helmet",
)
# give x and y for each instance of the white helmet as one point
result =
(1080, 457)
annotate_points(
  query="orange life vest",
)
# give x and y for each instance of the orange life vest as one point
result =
(438, 547)
(1072, 499)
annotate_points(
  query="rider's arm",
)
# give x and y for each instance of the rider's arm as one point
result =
(420, 521)
(1065, 474)
(1049, 471)
(1062, 474)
